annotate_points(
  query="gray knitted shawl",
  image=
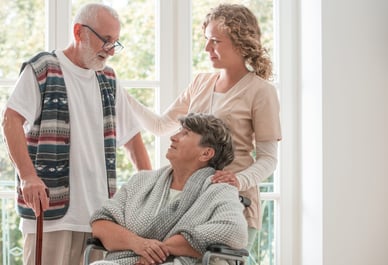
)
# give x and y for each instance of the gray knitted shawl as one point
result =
(204, 213)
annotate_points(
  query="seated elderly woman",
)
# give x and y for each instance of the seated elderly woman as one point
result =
(173, 214)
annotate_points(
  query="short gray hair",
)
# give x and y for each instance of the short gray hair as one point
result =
(214, 134)
(88, 13)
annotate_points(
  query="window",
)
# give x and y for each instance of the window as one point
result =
(19, 40)
(163, 49)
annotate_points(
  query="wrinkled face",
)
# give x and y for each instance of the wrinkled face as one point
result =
(185, 148)
(94, 54)
(220, 48)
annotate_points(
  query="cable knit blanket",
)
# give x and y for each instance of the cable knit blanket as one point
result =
(204, 213)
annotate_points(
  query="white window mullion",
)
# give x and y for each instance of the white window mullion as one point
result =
(175, 55)
(165, 94)
(184, 47)
(58, 23)
(289, 157)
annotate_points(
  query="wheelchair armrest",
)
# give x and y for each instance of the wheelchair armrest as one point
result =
(227, 250)
(92, 243)
(95, 243)
(245, 201)
(224, 252)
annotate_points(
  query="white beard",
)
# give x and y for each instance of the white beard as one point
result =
(92, 60)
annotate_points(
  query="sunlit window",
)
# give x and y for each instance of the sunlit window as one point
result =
(139, 68)
(22, 34)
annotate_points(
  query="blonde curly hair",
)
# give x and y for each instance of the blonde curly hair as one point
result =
(242, 27)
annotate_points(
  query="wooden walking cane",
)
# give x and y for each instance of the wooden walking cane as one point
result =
(39, 234)
(39, 237)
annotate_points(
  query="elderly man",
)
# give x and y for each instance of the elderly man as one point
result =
(173, 214)
(62, 124)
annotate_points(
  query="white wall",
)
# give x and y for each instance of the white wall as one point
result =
(348, 215)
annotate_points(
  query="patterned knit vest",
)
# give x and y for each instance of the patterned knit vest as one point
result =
(48, 140)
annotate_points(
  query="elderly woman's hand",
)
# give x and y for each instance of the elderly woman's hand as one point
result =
(143, 261)
(225, 176)
(151, 251)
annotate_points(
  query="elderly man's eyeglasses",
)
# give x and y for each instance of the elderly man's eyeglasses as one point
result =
(107, 46)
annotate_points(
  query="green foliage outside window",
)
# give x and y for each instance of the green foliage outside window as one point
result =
(22, 26)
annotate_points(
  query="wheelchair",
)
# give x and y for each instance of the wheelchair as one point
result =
(230, 255)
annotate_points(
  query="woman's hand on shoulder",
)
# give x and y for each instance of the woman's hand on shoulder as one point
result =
(225, 176)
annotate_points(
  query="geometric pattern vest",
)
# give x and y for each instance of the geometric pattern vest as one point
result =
(48, 140)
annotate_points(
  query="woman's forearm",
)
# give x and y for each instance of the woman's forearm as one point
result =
(157, 124)
(113, 236)
(262, 168)
(179, 246)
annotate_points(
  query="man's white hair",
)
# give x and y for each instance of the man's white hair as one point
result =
(88, 14)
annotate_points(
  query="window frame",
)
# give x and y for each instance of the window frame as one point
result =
(173, 60)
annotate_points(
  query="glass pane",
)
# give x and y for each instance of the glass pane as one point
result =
(125, 169)
(21, 34)
(10, 235)
(268, 184)
(6, 168)
(263, 251)
(263, 10)
(137, 60)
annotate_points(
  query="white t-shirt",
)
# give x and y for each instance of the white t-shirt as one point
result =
(88, 182)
